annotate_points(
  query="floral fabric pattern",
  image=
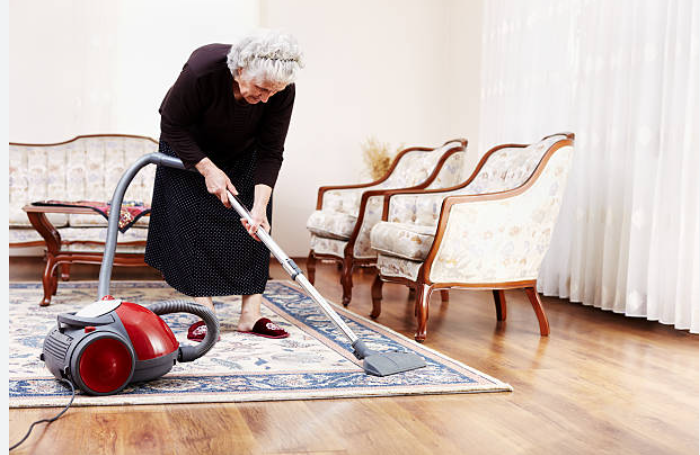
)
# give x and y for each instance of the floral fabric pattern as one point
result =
(413, 168)
(398, 267)
(408, 241)
(503, 240)
(334, 225)
(324, 245)
(505, 169)
(87, 168)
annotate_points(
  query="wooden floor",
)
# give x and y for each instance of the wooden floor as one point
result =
(600, 384)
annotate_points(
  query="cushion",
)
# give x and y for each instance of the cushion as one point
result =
(331, 224)
(408, 241)
(398, 267)
(324, 245)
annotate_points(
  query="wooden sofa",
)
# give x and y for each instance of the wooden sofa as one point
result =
(83, 168)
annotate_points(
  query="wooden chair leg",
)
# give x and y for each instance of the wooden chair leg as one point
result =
(47, 280)
(311, 267)
(376, 297)
(445, 295)
(55, 276)
(65, 271)
(500, 297)
(539, 310)
(423, 292)
(346, 281)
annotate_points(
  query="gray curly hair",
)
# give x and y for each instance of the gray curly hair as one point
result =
(269, 55)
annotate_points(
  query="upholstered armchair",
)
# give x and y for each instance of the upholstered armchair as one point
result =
(490, 232)
(345, 215)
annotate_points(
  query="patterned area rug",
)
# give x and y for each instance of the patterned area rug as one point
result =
(313, 362)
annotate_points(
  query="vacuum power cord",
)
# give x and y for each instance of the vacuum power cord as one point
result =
(31, 427)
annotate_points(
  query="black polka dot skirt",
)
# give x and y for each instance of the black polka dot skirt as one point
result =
(200, 246)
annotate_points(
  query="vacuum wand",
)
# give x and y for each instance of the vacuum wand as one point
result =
(293, 269)
(374, 362)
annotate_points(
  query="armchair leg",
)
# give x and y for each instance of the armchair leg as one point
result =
(445, 295)
(539, 310)
(311, 267)
(346, 281)
(376, 297)
(423, 292)
(500, 297)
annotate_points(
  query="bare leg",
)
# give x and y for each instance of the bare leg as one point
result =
(250, 312)
(206, 301)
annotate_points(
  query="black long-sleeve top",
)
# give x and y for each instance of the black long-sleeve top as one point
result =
(201, 118)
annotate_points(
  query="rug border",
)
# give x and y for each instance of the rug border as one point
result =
(497, 385)
(414, 344)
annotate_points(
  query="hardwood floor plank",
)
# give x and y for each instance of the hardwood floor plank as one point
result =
(601, 383)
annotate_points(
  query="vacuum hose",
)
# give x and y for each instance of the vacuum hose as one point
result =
(189, 353)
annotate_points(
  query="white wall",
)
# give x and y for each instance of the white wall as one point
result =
(406, 71)
(99, 66)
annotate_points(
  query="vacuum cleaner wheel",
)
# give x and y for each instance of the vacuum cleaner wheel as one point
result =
(105, 364)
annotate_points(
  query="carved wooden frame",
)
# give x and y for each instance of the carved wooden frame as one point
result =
(349, 262)
(424, 286)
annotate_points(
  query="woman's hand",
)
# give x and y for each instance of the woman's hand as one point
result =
(259, 220)
(216, 180)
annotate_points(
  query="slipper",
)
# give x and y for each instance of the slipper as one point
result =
(198, 331)
(268, 329)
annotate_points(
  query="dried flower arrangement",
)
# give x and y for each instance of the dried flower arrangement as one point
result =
(377, 156)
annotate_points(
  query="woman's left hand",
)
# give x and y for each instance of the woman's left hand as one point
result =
(259, 220)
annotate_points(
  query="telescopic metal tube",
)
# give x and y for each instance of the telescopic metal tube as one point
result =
(291, 268)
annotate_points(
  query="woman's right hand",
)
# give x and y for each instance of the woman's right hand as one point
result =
(216, 180)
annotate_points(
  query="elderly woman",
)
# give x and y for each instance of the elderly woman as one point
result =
(227, 116)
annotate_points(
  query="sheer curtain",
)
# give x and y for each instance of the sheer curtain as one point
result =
(623, 76)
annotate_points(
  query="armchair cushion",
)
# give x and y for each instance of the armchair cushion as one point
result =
(398, 267)
(324, 245)
(334, 225)
(408, 241)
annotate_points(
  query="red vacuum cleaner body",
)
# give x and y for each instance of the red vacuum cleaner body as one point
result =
(111, 343)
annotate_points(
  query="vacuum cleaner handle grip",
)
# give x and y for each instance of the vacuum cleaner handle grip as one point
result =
(189, 353)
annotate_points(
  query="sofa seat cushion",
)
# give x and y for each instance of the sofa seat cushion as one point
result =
(398, 267)
(331, 224)
(70, 234)
(404, 240)
(324, 245)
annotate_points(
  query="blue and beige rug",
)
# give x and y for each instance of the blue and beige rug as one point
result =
(314, 362)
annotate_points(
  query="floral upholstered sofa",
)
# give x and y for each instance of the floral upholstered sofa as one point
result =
(83, 168)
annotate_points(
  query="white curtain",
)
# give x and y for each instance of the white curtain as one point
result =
(623, 76)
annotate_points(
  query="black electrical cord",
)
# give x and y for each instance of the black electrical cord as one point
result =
(72, 388)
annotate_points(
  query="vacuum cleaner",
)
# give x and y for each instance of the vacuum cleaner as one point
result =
(112, 343)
